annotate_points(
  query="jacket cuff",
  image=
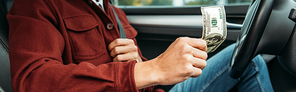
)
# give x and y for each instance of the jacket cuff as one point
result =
(124, 78)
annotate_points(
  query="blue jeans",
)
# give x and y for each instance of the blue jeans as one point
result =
(215, 76)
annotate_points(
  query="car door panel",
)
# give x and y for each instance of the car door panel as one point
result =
(158, 27)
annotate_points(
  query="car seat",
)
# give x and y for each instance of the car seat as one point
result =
(5, 79)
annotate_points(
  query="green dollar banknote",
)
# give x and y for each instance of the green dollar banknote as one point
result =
(214, 26)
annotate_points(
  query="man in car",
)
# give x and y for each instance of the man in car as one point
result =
(74, 45)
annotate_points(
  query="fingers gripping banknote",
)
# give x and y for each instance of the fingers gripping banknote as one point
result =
(214, 26)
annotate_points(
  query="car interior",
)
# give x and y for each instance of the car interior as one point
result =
(265, 27)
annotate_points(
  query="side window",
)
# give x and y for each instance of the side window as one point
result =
(178, 2)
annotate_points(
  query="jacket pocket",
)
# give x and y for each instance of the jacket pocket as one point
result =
(86, 41)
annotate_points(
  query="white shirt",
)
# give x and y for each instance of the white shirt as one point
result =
(100, 3)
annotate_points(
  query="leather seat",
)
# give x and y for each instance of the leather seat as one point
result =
(5, 79)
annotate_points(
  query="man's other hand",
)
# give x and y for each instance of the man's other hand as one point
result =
(124, 50)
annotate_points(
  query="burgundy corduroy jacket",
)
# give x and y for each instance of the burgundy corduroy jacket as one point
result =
(61, 45)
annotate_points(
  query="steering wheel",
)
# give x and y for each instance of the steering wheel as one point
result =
(253, 28)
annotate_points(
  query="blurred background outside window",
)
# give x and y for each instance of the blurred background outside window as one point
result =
(178, 2)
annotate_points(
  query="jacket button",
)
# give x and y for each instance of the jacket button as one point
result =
(110, 26)
(90, 2)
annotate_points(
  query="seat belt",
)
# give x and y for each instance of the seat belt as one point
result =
(120, 27)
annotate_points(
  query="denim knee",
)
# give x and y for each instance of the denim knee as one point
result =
(259, 62)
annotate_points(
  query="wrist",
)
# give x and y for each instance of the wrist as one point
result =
(145, 75)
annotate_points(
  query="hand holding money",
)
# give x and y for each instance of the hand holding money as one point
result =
(214, 26)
